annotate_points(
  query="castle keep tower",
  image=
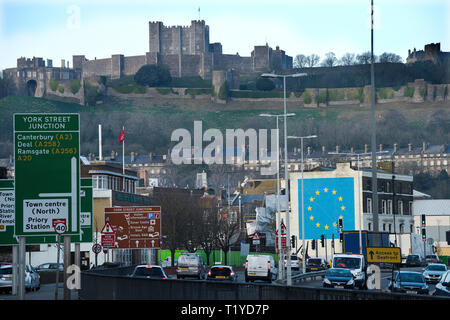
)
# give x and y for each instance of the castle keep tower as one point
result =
(188, 40)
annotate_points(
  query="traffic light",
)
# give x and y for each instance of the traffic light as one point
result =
(341, 237)
(322, 240)
(341, 225)
(423, 221)
(313, 244)
(424, 234)
(292, 241)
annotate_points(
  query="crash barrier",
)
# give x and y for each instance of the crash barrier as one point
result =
(114, 284)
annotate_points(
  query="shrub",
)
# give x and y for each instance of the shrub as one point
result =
(198, 91)
(91, 94)
(75, 86)
(408, 92)
(307, 98)
(53, 84)
(223, 91)
(336, 95)
(445, 92)
(152, 75)
(60, 89)
(423, 92)
(264, 84)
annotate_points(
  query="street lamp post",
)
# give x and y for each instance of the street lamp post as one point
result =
(303, 205)
(280, 258)
(286, 173)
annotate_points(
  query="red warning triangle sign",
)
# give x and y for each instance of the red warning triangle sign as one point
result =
(107, 228)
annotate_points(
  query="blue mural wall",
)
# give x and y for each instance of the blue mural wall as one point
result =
(325, 201)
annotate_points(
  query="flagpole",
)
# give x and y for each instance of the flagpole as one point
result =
(123, 161)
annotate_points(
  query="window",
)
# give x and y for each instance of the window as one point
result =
(410, 207)
(383, 207)
(389, 207)
(390, 225)
(400, 207)
(369, 205)
(369, 225)
(384, 226)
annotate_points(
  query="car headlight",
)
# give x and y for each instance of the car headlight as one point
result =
(350, 282)
(326, 281)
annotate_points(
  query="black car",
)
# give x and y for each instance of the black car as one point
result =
(413, 260)
(316, 264)
(443, 286)
(221, 273)
(338, 278)
(408, 282)
(149, 272)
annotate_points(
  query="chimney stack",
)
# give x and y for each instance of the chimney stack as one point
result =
(112, 155)
(337, 149)
(323, 149)
(409, 147)
(308, 151)
(395, 147)
(381, 147)
(365, 148)
(132, 157)
(424, 146)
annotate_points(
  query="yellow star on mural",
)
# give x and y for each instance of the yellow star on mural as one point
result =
(334, 191)
(326, 227)
(309, 208)
(311, 199)
(326, 190)
(317, 225)
(341, 217)
(335, 224)
(311, 218)
(340, 198)
(343, 208)
(317, 192)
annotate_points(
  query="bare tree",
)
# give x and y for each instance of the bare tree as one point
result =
(330, 60)
(226, 230)
(300, 61)
(387, 57)
(312, 60)
(348, 59)
(363, 58)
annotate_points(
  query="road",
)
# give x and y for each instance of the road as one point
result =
(47, 292)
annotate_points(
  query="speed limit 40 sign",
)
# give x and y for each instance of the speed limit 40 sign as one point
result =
(59, 225)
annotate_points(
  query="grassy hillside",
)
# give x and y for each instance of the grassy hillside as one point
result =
(150, 122)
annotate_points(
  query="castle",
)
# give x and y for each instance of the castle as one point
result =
(185, 50)
(432, 52)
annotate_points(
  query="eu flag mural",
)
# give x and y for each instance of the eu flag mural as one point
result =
(326, 201)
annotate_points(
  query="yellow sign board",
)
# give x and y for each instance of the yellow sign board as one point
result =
(384, 255)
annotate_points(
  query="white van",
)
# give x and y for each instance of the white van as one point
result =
(190, 265)
(356, 263)
(260, 267)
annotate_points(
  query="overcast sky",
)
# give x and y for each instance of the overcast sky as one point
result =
(96, 28)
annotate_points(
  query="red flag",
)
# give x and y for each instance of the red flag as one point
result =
(122, 136)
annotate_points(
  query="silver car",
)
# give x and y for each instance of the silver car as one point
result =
(32, 278)
(6, 278)
(191, 265)
(434, 271)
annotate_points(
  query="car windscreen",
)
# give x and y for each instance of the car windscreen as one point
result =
(315, 262)
(6, 270)
(188, 260)
(218, 271)
(412, 258)
(411, 277)
(339, 272)
(347, 262)
(435, 267)
(148, 272)
(294, 258)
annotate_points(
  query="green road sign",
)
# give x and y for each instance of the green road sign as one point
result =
(7, 214)
(47, 173)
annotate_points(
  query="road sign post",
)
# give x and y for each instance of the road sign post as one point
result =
(47, 172)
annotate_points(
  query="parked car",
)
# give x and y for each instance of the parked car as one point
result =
(6, 277)
(413, 260)
(434, 271)
(432, 258)
(338, 278)
(149, 272)
(49, 267)
(260, 267)
(221, 273)
(295, 262)
(190, 265)
(408, 282)
(316, 264)
(443, 286)
(32, 278)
